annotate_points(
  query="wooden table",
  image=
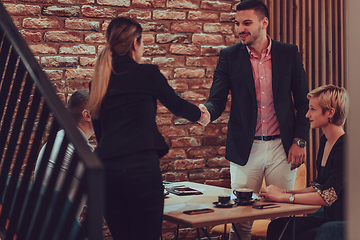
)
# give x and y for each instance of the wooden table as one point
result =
(225, 215)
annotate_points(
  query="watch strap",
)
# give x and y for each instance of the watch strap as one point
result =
(300, 142)
(292, 198)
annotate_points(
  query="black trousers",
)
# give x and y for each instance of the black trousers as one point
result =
(305, 228)
(134, 196)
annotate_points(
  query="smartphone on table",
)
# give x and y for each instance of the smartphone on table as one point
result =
(263, 205)
(198, 211)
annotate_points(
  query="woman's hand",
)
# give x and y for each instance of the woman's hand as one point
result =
(205, 115)
(273, 193)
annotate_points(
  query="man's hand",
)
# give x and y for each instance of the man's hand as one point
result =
(205, 115)
(297, 156)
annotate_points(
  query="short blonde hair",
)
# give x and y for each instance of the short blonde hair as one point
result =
(335, 97)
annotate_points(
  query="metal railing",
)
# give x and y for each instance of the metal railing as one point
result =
(30, 114)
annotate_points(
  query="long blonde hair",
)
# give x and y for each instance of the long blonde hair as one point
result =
(120, 36)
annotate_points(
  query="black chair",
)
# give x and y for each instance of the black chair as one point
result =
(31, 113)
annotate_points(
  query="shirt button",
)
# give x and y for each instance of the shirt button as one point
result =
(263, 121)
(260, 63)
(262, 93)
(263, 106)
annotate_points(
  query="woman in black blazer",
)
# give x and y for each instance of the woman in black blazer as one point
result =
(328, 108)
(123, 103)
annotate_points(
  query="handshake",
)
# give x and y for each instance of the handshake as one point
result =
(205, 115)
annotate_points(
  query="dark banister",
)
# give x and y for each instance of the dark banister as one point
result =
(47, 90)
(94, 171)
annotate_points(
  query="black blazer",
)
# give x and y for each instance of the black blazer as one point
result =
(234, 72)
(126, 122)
(332, 178)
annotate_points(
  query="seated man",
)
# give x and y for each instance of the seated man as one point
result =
(77, 105)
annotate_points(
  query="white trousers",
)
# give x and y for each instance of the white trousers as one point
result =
(267, 160)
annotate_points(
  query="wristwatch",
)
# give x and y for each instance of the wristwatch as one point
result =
(300, 142)
(292, 198)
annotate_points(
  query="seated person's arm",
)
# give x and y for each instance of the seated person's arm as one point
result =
(303, 196)
(310, 198)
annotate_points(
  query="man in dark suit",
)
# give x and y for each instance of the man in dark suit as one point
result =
(267, 128)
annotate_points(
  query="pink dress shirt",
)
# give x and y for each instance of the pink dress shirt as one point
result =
(267, 123)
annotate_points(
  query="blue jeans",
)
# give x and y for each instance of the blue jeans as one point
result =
(331, 231)
(305, 228)
(134, 196)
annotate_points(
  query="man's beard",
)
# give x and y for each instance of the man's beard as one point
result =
(253, 37)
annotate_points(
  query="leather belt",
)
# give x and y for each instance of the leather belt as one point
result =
(267, 138)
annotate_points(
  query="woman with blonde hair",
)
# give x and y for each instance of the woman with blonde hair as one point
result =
(123, 104)
(328, 109)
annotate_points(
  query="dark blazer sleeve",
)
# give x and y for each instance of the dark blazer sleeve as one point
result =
(331, 183)
(220, 88)
(167, 96)
(300, 90)
(334, 172)
(336, 179)
(290, 90)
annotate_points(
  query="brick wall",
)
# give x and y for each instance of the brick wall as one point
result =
(183, 37)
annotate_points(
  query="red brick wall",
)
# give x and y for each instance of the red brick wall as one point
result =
(183, 37)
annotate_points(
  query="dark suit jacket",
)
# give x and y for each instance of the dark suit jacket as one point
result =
(126, 122)
(332, 178)
(234, 72)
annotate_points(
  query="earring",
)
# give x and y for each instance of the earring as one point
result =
(329, 120)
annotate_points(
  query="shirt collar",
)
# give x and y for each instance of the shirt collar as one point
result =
(266, 50)
(82, 133)
(86, 138)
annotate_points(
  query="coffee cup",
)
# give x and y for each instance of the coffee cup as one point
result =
(243, 194)
(224, 199)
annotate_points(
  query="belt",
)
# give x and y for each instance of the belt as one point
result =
(267, 138)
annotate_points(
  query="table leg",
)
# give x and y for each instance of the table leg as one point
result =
(204, 230)
(287, 223)
(206, 233)
(177, 232)
(236, 231)
(224, 236)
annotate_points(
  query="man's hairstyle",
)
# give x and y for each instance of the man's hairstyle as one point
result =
(258, 6)
(335, 97)
(77, 103)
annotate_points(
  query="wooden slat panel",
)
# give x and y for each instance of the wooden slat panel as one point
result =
(316, 27)
(291, 30)
(341, 43)
(277, 21)
(271, 29)
(335, 31)
(283, 21)
(298, 24)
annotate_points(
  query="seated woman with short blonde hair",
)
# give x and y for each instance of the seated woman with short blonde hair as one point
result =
(328, 109)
